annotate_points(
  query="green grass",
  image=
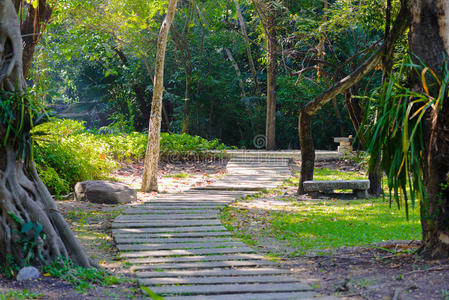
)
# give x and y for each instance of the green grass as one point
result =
(180, 175)
(332, 224)
(20, 294)
(318, 226)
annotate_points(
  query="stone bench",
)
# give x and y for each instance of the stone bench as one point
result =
(345, 144)
(359, 187)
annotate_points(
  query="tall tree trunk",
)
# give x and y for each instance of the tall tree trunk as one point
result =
(149, 180)
(237, 71)
(266, 12)
(186, 59)
(429, 40)
(272, 66)
(186, 109)
(24, 199)
(248, 47)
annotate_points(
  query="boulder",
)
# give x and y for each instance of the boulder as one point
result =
(104, 192)
(28, 273)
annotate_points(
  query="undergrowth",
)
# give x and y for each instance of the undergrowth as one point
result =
(66, 152)
(81, 278)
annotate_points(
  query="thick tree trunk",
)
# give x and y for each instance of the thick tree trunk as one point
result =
(429, 40)
(149, 180)
(24, 199)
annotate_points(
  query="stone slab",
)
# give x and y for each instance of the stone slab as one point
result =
(167, 223)
(211, 272)
(198, 258)
(231, 288)
(138, 218)
(217, 280)
(170, 229)
(182, 205)
(206, 234)
(174, 246)
(144, 239)
(205, 265)
(155, 212)
(315, 186)
(254, 296)
(178, 252)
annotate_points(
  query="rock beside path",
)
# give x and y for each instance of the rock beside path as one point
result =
(28, 273)
(104, 192)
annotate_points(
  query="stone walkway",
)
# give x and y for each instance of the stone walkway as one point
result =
(180, 250)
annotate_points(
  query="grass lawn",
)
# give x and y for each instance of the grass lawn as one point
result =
(319, 225)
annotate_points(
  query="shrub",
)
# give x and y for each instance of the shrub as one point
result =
(66, 152)
(65, 147)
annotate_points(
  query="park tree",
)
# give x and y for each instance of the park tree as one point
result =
(149, 180)
(267, 12)
(32, 229)
(409, 133)
(340, 87)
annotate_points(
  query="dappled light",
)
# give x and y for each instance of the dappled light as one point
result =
(241, 149)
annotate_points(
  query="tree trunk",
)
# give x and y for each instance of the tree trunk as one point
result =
(187, 63)
(149, 180)
(186, 108)
(32, 29)
(237, 71)
(271, 88)
(24, 200)
(266, 12)
(307, 149)
(248, 47)
(429, 40)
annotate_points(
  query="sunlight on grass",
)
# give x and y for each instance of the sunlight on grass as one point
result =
(333, 224)
(321, 225)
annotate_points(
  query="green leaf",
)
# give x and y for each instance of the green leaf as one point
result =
(27, 227)
(151, 294)
(15, 217)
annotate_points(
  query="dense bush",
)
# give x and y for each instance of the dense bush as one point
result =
(66, 152)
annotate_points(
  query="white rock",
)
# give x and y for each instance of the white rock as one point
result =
(28, 273)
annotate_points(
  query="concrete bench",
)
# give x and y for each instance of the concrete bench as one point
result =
(359, 187)
(345, 144)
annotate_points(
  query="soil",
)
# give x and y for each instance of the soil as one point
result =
(383, 271)
(92, 225)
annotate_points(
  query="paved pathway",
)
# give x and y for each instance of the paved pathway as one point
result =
(179, 249)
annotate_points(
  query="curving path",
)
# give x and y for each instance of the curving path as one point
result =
(180, 250)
